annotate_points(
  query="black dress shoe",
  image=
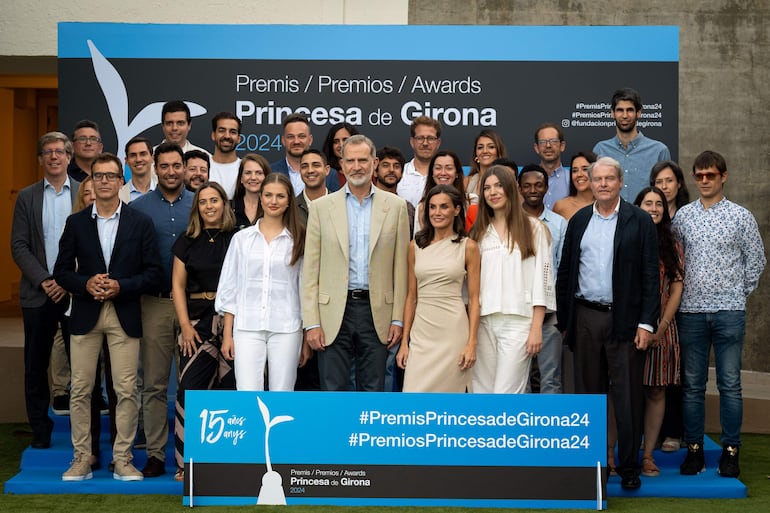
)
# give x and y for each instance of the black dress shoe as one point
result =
(38, 443)
(154, 467)
(631, 482)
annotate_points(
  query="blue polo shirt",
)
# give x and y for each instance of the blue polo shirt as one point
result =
(170, 219)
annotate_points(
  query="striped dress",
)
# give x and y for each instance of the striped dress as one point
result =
(661, 367)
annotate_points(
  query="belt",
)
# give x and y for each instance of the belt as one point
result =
(358, 295)
(593, 305)
(204, 295)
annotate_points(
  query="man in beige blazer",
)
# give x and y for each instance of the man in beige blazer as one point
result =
(354, 275)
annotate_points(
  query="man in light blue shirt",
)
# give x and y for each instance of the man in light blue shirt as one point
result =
(635, 152)
(38, 221)
(139, 161)
(608, 300)
(533, 185)
(549, 145)
(355, 271)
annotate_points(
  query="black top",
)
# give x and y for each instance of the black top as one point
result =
(239, 209)
(203, 261)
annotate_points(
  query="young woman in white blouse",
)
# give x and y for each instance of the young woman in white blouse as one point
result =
(259, 292)
(517, 286)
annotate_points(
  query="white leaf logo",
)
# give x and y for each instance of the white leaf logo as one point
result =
(115, 94)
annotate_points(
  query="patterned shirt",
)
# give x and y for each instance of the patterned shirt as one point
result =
(723, 256)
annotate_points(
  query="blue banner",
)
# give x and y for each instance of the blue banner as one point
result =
(357, 448)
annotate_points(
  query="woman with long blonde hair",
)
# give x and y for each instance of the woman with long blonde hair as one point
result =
(517, 285)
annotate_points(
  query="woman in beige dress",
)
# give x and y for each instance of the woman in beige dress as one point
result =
(441, 348)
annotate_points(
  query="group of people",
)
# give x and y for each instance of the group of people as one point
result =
(350, 268)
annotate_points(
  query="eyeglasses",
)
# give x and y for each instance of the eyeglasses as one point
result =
(425, 139)
(709, 176)
(57, 152)
(545, 142)
(83, 139)
(111, 177)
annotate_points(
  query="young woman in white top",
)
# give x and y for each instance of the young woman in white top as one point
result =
(517, 285)
(259, 292)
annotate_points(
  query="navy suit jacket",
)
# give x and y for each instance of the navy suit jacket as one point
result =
(635, 273)
(135, 263)
(332, 182)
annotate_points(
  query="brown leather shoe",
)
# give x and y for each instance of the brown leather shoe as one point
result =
(154, 467)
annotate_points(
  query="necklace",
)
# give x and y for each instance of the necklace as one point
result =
(212, 237)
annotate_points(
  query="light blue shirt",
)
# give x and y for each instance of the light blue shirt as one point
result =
(359, 228)
(134, 193)
(597, 248)
(107, 227)
(558, 186)
(636, 160)
(57, 206)
(557, 225)
(296, 179)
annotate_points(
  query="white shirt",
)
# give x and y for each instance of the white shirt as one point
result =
(510, 285)
(412, 184)
(257, 284)
(225, 175)
(107, 228)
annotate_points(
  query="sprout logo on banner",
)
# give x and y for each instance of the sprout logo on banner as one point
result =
(115, 94)
(272, 489)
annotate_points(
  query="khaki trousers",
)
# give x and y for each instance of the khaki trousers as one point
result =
(159, 327)
(124, 357)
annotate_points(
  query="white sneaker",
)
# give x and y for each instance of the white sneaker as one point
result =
(80, 470)
(126, 471)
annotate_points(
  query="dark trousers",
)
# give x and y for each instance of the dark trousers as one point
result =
(40, 326)
(604, 365)
(357, 342)
(673, 423)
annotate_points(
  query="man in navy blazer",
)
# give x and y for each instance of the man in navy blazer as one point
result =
(608, 303)
(108, 257)
(296, 138)
(38, 218)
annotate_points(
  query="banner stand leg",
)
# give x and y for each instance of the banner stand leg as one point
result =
(599, 497)
(191, 482)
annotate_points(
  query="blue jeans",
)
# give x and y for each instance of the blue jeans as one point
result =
(697, 333)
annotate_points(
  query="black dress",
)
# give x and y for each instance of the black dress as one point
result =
(205, 368)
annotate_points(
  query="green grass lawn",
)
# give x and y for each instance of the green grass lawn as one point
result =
(755, 468)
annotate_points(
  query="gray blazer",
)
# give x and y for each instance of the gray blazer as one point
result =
(27, 245)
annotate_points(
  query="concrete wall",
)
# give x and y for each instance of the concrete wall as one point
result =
(28, 27)
(724, 95)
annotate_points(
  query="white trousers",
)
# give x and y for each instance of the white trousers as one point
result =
(255, 348)
(502, 362)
